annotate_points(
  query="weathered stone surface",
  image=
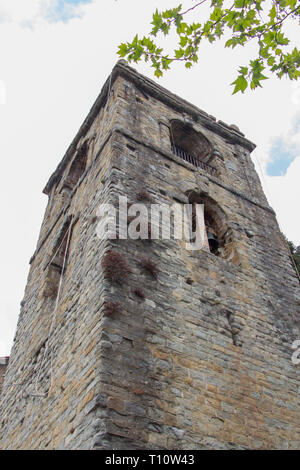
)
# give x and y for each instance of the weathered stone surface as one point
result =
(204, 361)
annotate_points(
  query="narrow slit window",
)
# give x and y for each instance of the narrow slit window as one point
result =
(78, 166)
(58, 262)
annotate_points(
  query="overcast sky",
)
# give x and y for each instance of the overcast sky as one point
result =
(55, 57)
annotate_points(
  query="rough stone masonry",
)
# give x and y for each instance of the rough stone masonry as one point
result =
(192, 349)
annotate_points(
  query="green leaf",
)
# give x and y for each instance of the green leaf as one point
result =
(179, 53)
(135, 40)
(243, 70)
(239, 3)
(272, 13)
(264, 52)
(123, 49)
(271, 61)
(280, 39)
(240, 84)
(183, 41)
(268, 38)
(165, 62)
(228, 43)
(181, 28)
(292, 3)
(216, 14)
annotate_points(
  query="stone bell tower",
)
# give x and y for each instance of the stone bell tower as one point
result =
(144, 344)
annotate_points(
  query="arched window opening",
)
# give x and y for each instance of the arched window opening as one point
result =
(212, 234)
(191, 146)
(78, 166)
(218, 234)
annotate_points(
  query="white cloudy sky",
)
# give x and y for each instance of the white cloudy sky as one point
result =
(55, 56)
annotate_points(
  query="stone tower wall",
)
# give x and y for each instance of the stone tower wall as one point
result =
(201, 357)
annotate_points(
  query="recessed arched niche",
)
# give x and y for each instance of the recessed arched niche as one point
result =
(186, 138)
(78, 166)
(220, 235)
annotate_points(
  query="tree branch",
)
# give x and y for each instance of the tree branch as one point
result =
(188, 10)
(287, 14)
